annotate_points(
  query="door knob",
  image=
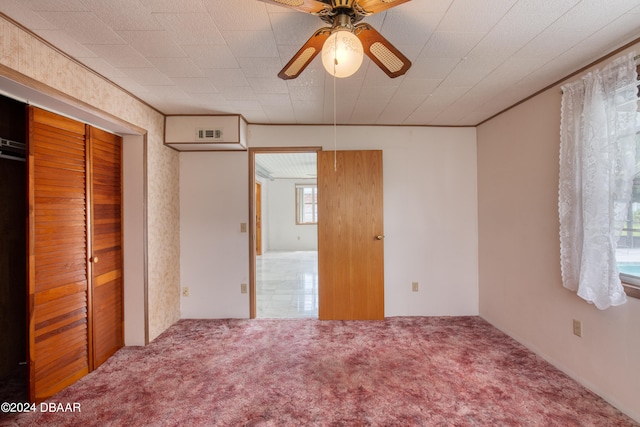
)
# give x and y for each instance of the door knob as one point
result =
(93, 259)
(379, 237)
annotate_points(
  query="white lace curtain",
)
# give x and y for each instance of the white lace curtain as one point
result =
(597, 165)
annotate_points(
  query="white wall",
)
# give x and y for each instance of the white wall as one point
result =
(430, 217)
(135, 274)
(284, 233)
(520, 282)
(214, 253)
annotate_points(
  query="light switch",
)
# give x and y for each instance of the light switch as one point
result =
(243, 227)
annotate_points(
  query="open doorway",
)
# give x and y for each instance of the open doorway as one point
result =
(284, 249)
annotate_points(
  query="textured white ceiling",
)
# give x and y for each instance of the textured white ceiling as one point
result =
(471, 58)
(286, 165)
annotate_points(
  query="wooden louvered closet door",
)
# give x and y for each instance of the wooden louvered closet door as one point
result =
(75, 252)
(106, 242)
(58, 281)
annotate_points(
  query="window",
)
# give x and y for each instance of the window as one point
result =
(306, 204)
(598, 144)
(628, 249)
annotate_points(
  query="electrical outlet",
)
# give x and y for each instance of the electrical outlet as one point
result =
(414, 286)
(185, 291)
(243, 288)
(577, 328)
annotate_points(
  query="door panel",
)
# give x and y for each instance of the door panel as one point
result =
(57, 262)
(350, 255)
(106, 245)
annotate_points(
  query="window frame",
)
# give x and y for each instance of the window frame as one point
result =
(630, 282)
(631, 289)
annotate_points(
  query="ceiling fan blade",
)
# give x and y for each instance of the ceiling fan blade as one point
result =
(307, 6)
(383, 53)
(369, 7)
(305, 55)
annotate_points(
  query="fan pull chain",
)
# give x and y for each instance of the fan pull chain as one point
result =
(335, 121)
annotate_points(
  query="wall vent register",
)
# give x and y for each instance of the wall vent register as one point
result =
(208, 134)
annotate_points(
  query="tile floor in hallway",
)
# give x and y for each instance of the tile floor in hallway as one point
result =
(287, 284)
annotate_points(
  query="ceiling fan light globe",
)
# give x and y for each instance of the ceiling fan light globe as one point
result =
(342, 54)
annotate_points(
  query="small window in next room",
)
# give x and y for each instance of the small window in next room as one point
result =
(306, 204)
(628, 250)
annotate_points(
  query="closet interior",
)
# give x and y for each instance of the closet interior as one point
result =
(13, 252)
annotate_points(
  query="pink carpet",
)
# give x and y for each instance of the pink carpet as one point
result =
(414, 371)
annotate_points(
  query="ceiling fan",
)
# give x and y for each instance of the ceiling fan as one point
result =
(344, 36)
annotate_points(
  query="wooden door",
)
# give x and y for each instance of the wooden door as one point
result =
(258, 219)
(57, 253)
(350, 233)
(106, 304)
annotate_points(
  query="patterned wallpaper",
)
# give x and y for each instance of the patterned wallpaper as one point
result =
(27, 55)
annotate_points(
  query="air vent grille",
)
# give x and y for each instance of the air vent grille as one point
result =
(208, 134)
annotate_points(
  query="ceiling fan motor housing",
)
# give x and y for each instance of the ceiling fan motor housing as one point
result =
(341, 22)
(347, 4)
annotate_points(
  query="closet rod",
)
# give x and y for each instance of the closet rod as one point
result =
(5, 156)
(4, 141)
(13, 146)
(8, 157)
